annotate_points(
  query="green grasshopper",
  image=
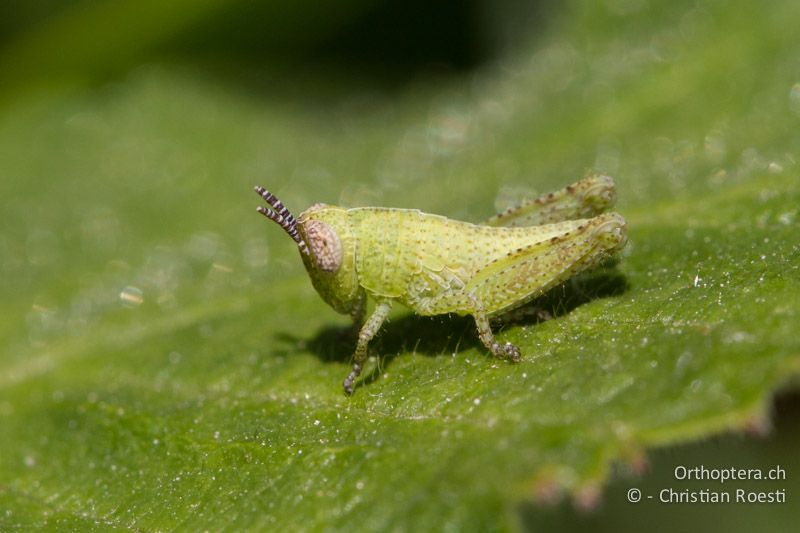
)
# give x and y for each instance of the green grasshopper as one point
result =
(435, 265)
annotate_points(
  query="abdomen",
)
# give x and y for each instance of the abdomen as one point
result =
(423, 260)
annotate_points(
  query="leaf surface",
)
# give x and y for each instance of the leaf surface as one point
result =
(166, 363)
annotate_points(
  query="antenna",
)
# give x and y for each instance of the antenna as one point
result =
(281, 216)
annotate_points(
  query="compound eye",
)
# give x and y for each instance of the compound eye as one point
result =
(325, 245)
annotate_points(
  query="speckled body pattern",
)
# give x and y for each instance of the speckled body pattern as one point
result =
(434, 265)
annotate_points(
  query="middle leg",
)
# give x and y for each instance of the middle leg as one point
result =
(503, 351)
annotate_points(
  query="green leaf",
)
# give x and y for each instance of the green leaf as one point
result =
(166, 363)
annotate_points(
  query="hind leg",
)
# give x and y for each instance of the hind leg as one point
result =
(583, 199)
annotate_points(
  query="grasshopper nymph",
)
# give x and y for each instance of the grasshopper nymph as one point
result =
(435, 265)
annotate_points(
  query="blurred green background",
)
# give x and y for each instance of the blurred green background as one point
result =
(166, 364)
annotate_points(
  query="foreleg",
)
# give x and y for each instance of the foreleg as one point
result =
(367, 332)
(357, 313)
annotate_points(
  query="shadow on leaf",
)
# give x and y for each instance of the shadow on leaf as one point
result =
(451, 333)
